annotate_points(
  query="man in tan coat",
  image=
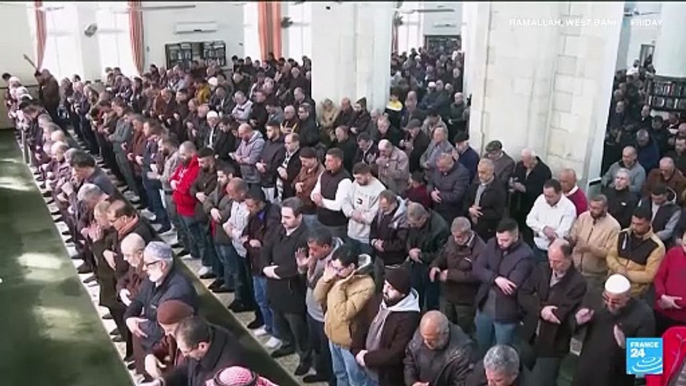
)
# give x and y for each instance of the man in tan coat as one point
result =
(345, 291)
(593, 236)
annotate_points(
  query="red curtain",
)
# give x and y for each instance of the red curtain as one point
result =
(269, 27)
(136, 35)
(41, 33)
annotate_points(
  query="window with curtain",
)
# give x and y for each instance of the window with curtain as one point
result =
(410, 32)
(62, 54)
(299, 34)
(251, 40)
(113, 40)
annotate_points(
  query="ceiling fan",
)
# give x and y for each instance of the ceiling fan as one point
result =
(635, 12)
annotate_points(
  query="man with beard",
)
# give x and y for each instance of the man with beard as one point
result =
(263, 221)
(362, 117)
(391, 320)
(330, 192)
(622, 202)
(285, 289)
(486, 200)
(121, 141)
(212, 128)
(502, 268)
(367, 151)
(164, 282)
(290, 167)
(204, 184)
(637, 253)
(248, 153)
(218, 207)
(603, 357)
(270, 160)
(308, 130)
(180, 181)
(207, 349)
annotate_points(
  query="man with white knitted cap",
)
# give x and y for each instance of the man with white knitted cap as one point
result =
(603, 356)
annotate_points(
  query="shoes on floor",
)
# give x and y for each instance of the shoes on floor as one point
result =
(176, 245)
(222, 290)
(204, 270)
(114, 332)
(257, 323)
(164, 229)
(238, 307)
(90, 279)
(83, 268)
(315, 378)
(282, 352)
(260, 332)
(303, 368)
(209, 275)
(118, 339)
(215, 284)
(107, 316)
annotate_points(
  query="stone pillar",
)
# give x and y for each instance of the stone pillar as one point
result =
(85, 15)
(351, 48)
(670, 50)
(542, 79)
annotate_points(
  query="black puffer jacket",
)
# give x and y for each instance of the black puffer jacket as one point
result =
(272, 156)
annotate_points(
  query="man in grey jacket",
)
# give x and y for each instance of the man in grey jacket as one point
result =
(121, 138)
(439, 145)
(248, 153)
(321, 245)
(629, 161)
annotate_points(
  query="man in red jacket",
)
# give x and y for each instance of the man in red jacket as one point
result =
(181, 181)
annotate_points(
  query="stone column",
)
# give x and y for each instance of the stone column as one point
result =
(542, 79)
(351, 48)
(670, 50)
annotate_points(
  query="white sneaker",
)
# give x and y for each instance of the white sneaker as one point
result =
(273, 343)
(204, 270)
(260, 332)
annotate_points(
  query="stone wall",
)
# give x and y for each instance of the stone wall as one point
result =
(542, 79)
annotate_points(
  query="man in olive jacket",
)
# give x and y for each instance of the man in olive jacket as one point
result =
(427, 235)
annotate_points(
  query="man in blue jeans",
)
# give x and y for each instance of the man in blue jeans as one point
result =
(504, 265)
(152, 186)
(263, 221)
(244, 300)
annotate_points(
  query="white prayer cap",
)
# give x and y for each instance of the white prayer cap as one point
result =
(212, 114)
(213, 81)
(14, 80)
(432, 84)
(617, 284)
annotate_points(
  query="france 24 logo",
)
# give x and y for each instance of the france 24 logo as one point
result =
(644, 356)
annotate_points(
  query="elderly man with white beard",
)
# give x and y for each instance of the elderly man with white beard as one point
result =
(164, 282)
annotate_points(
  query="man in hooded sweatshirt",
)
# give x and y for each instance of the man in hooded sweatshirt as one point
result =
(248, 153)
(361, 205)
(391, 320)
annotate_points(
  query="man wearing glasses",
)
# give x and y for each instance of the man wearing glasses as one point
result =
(602, 359)
(164, 282)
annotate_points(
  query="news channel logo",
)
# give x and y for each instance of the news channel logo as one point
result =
(644, 356)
